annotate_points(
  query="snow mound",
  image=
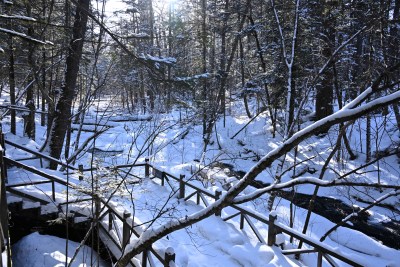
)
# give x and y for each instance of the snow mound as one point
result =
(36, 250)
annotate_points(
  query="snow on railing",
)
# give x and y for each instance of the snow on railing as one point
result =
(120, 240)
(247, 215)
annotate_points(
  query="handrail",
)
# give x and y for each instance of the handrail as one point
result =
(316, 244)
(110, 210)
(38, 172)
(116, 167)
(129, 227)
(41, 155)
(319, 247)
(243, 212)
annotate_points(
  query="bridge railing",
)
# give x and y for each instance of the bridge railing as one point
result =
(40, 156)
(201, 195)
(110, 229)
(187, 190)
(111, 221)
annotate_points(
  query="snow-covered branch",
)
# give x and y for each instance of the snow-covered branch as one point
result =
(17, 17)
(153, 234)
(24, 36)
(342, 115)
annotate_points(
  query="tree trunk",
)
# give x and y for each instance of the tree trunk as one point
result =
(246, 105)
(393, 50)
(223, 73)
(11, 81)
(324, 89)
(204, 62)
(62, 115)
(29, 119)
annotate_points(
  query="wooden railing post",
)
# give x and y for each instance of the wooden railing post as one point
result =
(163, 178)
(145, 255)
(271, 228)
(80, 170)
(147, 168)
(3, 165)
(181, 186)
(198, 198)
(218, 193)
(97, 207)
(53, 190)
(110, 220)
(126, 233)
(319, 260)
(169, 256)
(3, 143)
(241, 220)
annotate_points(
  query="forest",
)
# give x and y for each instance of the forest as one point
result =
(288, 106)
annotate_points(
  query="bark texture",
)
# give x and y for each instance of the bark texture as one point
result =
(62, 115)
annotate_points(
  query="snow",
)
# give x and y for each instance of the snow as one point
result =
(195, 77)
(165, 60)
(138, 35)
(211, 241)
(45, 250)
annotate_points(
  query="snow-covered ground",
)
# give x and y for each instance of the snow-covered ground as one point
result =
(177, 149)
(36, 250)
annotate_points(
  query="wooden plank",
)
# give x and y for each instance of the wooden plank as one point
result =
(157, 173)
(319, 259)
(190, 195)
(28, 158)
(168, 182)
(26, 195)
(231, 216)
(116, 229)
(204, 199)
(298, 251)
(254, 228)
(105, 237)
(132, 229)
(27, 184)
(316, 244)
(330, 260)
(187, 183)
(76, 201)
(116, 167)
(36, 171)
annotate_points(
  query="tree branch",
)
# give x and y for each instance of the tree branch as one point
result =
(345, 114)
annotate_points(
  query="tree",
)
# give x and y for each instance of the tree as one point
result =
(289, 55)
(62, 115)
(325, 20)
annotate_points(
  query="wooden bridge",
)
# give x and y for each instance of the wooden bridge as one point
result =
(108, 219)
